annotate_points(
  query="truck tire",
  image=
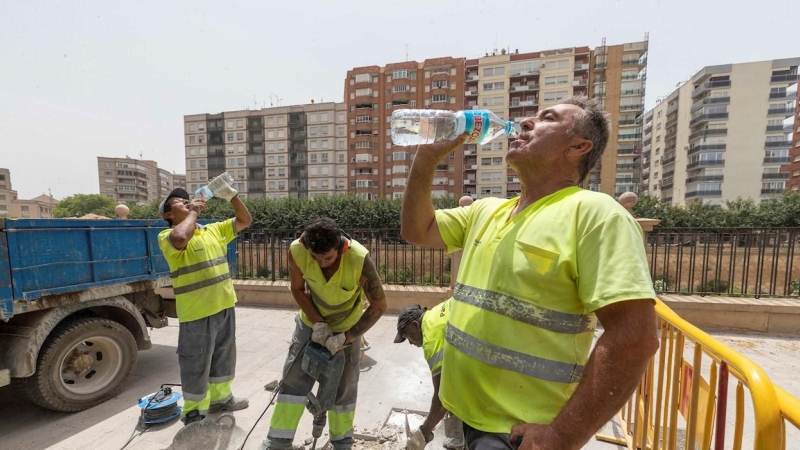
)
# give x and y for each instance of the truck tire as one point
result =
(83, 363)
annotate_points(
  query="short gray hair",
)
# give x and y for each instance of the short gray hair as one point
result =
(593, 125)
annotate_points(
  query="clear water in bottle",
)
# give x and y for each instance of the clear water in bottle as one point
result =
(426, 126)
(206, 192)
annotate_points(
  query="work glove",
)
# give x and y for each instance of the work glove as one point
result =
(321, 333)
(416, 441)
(335, 343)
(220, 188)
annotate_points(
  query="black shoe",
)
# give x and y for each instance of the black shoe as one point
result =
(192, 417)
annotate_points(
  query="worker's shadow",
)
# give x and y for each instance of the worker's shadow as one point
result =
(366, 363)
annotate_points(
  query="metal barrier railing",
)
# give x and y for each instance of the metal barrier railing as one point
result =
(263, 254)
(682, 404)
(748, 262)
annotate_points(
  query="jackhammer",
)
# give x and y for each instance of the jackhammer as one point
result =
(327, 370)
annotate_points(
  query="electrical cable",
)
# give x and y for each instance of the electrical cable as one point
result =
(153, 413)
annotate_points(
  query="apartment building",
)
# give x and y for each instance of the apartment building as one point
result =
(513, 85)
(135, 180)
(290, 151)
(10, 206)
(722, 135)
(792, 125)
(378, 169)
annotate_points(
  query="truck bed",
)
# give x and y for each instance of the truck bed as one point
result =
(40, 258)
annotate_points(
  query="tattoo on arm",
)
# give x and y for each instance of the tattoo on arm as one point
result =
(373, 288)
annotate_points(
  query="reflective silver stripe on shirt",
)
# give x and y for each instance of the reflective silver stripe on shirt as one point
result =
(322, 303)
(199, 266)
(343, 314)
(503, 358)
(435, 359)
(523, 311)
(202, 284)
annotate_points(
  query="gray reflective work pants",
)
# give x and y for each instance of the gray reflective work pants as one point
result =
(297, 384)
(207, 358)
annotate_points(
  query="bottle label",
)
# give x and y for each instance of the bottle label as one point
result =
(477, 126)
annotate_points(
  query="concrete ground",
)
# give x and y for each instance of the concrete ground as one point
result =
(392, 375)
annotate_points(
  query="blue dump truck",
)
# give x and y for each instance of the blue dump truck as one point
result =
(77, 301)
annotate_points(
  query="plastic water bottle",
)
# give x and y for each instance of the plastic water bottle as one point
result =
(206, 192)
(426, 126)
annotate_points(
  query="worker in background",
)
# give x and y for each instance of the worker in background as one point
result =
(205, 299)
(426, 329)
(538, 271)
(330, 275)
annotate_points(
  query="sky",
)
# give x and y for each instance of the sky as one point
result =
(82, 79)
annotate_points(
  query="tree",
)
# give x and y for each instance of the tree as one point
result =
(81, 204)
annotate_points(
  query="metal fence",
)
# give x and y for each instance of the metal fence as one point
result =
(263, 254)
(746, 262)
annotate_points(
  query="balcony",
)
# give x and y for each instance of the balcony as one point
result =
(581, 67)
(705, 148)
(672, 109)
(667, 184)
(627, 166)
(297, 136)
(787, 78)
(631, 62)
(472, 78)
(600, 66)
(710, 101)
(626, 151)
(636, 107)
(779, 128)
(775, 176)
(522, 104)
(629, 137)
(627, 180)
(782, 95)
(706, 132)
(524, 73)
(471, 93)
(580, 82)
(705, 178)
(631, 92)
(704, 193)
(671, 122)
(670, 135)
(706, 117)
(782, 111)
(772, 191)
(668, 173)
(778, 144)
(668, 160)
(627, 122)
(706, 163)
(469, 182)
(777, 160)
(523, 87)
(710, 85)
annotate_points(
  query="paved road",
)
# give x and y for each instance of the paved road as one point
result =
(392, 375)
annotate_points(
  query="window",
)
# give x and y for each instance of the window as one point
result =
(560, 79)
(401, 88)
(438, 98)
(490, 71)
(526, 67)
(412, 104)
(493, 176)
(361, 119)
(560, 64)
(239, 136)
(498, 86)
(440, 84)
(403, 73)
(494, 101)
(363, 92)
(554, 95)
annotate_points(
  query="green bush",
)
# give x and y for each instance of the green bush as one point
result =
(716, 286)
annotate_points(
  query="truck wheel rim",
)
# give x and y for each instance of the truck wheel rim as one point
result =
(90, 365)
